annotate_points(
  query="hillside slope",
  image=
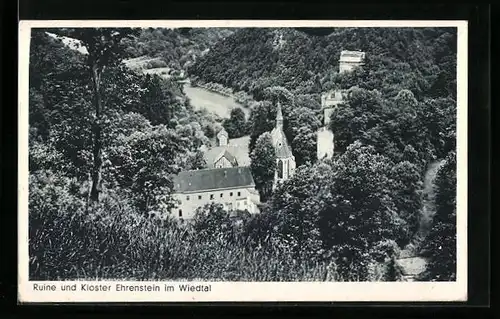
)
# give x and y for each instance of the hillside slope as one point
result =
(420, 59)
(174, 48)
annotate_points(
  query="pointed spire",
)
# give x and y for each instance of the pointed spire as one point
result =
(279, 116)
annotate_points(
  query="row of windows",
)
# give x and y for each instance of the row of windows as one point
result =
(212, 196)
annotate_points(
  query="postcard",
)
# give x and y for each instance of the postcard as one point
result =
(242, 160)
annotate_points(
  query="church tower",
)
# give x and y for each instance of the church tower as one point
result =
(349, 60)
(222, 137)
(285, 161)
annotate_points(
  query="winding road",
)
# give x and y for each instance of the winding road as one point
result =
(411, 263)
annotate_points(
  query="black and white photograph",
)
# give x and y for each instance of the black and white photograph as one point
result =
(252, 153)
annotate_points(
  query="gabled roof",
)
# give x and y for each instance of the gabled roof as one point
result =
(237, 147)
(280, 143)
(213, 178)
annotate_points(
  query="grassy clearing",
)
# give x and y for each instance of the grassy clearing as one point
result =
(213, 102)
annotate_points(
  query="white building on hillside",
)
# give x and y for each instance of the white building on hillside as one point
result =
(233, 187)
(348, 61)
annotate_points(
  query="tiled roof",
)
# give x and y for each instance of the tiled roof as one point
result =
(213, 178)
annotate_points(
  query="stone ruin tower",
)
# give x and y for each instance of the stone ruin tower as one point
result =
(349, 60)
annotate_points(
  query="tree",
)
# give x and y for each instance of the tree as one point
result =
(157, 102)
(298, 204)
(299, 118)
(394, 271)
(407, 185)
(196, 161)
(279, 93)
(304, 146)
(263, 164)
(104, 50)
(236, 124)
(59, 112)
(352, 119)
(262, 119)
(438, 117)
(145, 163)
(211, 221)
(362, 212)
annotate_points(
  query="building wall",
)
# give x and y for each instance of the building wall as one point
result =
(289, 166)
(329, 101)
(222, 139)
(345, 66)
(236, 198)
(327, 114)
(325, 143)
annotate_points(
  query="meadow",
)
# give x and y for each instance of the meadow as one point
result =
(213, 102)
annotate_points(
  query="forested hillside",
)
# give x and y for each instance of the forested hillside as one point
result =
(401, 104)
(419, 59)
(174, 48)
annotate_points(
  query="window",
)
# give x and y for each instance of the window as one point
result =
(199, 196)
(280, 169)
(239, 193)
(238, 204)
(211, 196)
(221, 195)
(231, 194)
(187, 197)
(180, 212)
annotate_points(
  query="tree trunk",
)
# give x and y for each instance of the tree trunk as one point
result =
(96, 132)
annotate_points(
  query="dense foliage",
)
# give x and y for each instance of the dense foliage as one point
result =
(236, 124)
(263, 164)
(142, 118)
(441, 244)
(175, 48)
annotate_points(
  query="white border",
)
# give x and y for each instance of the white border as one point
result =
(252, 291)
